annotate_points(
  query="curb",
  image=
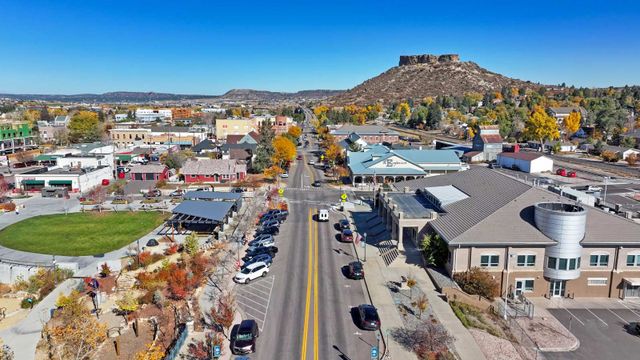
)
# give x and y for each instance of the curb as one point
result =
(574, 347)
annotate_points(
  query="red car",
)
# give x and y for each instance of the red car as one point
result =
(572, 174)
(299, 157)
(561, 172)
(347, 235)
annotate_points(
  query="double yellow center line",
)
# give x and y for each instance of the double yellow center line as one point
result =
(312, 281)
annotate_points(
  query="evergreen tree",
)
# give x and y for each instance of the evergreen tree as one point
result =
(264, 150)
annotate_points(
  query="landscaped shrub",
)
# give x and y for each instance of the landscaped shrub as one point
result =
(105, 270)
(171, 249)
(476, 281)
(609, 156)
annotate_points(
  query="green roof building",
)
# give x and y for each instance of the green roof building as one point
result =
(16, 137)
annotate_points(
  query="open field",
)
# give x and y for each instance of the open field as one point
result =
(79, 234)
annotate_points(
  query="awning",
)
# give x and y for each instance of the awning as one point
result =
(632, 281)
(123, 157)
(46, 157)
(60, 182)
(33, 182)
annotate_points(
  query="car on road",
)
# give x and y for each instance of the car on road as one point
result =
(244, 341)
(272, 230)
(265, 258)
(311, 162)
(323, 215)
(355, 270)
(561, 172)
(346, 236)
(316, 183)
(251, 272)
(299, 157)
(343, 224)
(153, 193)
(572, 174)
(271, 251)
(368, 317)
(263, 243)
(284, 175)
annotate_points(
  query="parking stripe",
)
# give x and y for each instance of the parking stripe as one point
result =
(623, 304)
(253, 291)
(572, 315)
(253, 301)
(618, 316)
(597, 317)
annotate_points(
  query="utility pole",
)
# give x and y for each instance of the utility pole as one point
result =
(365, 246)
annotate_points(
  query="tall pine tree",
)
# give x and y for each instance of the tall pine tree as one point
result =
(264, 150)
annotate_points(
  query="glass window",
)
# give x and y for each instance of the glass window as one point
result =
(489, 260)
(599, 260)
(596, 281)
(531, 260)
(633, 260)
(551, 263)
(562, 264)
(528, 285)
(526, 260)
(593, 260)
(572, 264)
(521, 260)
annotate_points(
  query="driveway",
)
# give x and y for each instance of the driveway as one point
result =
(604, 333)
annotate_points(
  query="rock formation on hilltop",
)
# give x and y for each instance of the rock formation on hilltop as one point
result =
(419, 76)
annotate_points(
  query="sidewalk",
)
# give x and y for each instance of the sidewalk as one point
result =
(410, 263)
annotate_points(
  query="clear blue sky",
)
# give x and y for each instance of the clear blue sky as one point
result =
(207, 47)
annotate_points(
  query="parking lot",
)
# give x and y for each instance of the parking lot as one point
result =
(604, 333)
(253, 299)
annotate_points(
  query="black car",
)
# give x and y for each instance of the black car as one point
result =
(269, 250)
(266, 219)
(356, 271)
(316, 183)
(277, 212)
(244, 341)
(368, 317)
(271, 230)
(343, 224)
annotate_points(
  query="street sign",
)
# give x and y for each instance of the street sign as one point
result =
(322, 157)
(280, 192)
(343, 196)
(216, 351)
(374, 352)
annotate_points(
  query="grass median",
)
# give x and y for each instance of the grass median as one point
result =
(78, 234)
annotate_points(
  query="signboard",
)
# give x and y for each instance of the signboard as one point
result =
(343, 196)
(280, 192)
(374, 352)
(216, 351)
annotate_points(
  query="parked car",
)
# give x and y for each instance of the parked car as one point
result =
(265, 258)
(244, 341)
(312, 162)
(260, 238)
(153, 193)
(272, 217)
(347, 235)
(343, 224)
(271, 251)
(561, 172)
(299, 157)
(251, 272)
(355, 270)
(263, 243)
(368, 317)
(152, 242)
(272, 230)
(284, 175)
(270, 223)
(316, 183)
(278, 212)
(177, 193)
(572, 174)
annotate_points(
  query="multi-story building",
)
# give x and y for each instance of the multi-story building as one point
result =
(158, 135)
(533, 242)
(371, 134)
(225, 127)
(151, 115)
(487, 144)
(16, 137)
(181, 113)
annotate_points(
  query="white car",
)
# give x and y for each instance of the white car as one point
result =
(284, 175)
(251, 272)
(263, 243)
(312, 162)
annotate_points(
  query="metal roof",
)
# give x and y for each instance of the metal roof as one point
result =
(413, 206)
(210, 195)
(211, 210)
(364, 130)
(446, 194)
(361, 163)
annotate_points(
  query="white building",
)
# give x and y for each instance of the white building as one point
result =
(74, 179)
(151, 115)
(121, 117)
(214, 110)
(529, 162)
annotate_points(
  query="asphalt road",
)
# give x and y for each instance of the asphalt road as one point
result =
(309, 311)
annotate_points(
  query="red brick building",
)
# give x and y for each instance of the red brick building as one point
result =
(149, 172)
(216, 171)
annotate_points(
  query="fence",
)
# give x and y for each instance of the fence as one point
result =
(524, 345)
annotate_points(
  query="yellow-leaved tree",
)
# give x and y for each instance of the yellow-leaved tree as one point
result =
(404, 110)
(272, 172)
(572, 122)
(284, 151)
(333, 153)
(295, 131)
(541, 126)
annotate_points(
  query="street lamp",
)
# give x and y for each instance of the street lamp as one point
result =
(365, 246)
(604, 199)
(506, 288)
(138, 252)
(378, 344)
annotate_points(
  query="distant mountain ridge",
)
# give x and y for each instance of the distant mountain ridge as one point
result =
(420, 76)
(235, 95)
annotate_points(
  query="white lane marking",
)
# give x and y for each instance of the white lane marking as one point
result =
(572, 315)
(249, 306)
(625, 305)
(357, 333)
(252, 292)
(618, 316)
(244, 298)
(597, 317)
(347, 286)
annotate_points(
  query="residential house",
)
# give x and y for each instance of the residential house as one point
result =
(563, 112)
(622, 152)
(213, 171)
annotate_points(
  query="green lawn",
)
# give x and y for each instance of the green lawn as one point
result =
(79, 233)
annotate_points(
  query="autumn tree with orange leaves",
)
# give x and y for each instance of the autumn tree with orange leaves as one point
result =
(223, 313)
(284, 151)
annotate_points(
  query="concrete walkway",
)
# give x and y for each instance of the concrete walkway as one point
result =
(410, 263)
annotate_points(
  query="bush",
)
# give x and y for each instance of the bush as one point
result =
(191, 244)
(632, 159)
(105, 270)
(171, 249)
(26, 304)
(477, 281)
(609, 156)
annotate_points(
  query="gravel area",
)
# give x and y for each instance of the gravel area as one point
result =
(494, 348)
(404, 300)
(548, 333)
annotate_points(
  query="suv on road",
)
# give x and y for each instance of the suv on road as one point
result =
(355, 270)
(251, 272)
(244, 341)
(368, 317)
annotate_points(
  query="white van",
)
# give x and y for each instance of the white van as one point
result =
(323, 215)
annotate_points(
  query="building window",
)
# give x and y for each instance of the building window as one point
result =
(551, 263)
(633, 260)
(528, 285)
(572, 264)
(596, 281)
(489, 260)
(562, 264)
(599, 260)
(526, 260)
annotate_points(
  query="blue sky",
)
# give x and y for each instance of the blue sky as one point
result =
(209, 47)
